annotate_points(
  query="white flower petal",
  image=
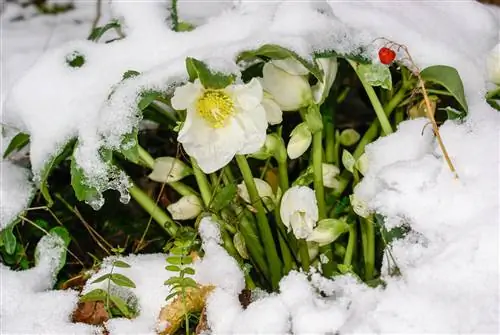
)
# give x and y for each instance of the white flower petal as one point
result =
(248, 96)
(184, 96)
(299, 210)
(254, 125)
(274, 114)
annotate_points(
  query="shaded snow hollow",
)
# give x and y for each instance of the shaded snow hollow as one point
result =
(450, 265)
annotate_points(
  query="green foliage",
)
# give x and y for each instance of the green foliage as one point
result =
(17, 143)
(75, 60)
(83, 191)
(223, 197)
(449, 78)
(376, 75)
(98, 32)
(209, 79)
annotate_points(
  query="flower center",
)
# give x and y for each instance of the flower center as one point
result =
(215, 107)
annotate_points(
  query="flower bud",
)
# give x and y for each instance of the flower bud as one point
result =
(300, 140)
(362, 164)
(299, 210)
(188, 207)
(349, 137)
(264, 190)
(168, 170)
(290, 90)
(328, 231)
(493, 65)
(330, 173)
(329, 66)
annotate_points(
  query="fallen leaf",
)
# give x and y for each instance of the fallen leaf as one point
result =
(90, 312)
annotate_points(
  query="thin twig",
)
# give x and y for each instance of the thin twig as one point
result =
(98, 13)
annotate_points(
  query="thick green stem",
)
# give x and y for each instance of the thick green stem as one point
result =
(283, 176)
(317, 161)
(203, 183)
(146, 157)
(351, 244)
(156, 212)
(254, 246)
(328, 267)
(263, 225)
(368, 240)
(372, 95)
(286, 254)
(182, 188)
(304, 255)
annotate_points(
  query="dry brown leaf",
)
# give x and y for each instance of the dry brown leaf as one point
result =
(203, 323)
(173, 314)
(90, 312)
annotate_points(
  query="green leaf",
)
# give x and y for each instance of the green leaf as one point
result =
(188, 271)
(54, 161)
(185, 26)
(208, 78)
(121, 280)
(9, 240)
(178, 250)
(189, 282)
(173, 281)
(97, 33)
(94, 295)
(17, 143)
(101, 278)
(240, 245)
(224, 197)
(305, 178)
(454, 114)
(449, 78)
(348, 161)
(63, 233)
(171, 295)
(274, 51)
(75, 60)
(175, 260)
(121, 305)
(187, 260)
(130, 146)
(173, 268)
(376, 75)
(147, 99)
(130, 74)
(83, 192)
(121, 264)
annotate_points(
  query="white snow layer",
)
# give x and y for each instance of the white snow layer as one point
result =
(449, 264)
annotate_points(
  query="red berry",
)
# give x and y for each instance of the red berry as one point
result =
(386, 56)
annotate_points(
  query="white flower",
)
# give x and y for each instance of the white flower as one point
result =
(287, 81)
(329, 66)
(493, 65)
(221, 123)
(327, 231)
(299, 210)
(264, 190)
(300, 140)
(330, 172)
(168, 170)
(188, 207)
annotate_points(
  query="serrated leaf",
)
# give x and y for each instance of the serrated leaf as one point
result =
(83, 192)
(208, 78)
(449, 78)
(173, 268)
(55, 160)
(121, 305)
(17, 143)
(97, 32)
(376, 75)
(101, 278)
(121, 264)
(147, 99)
(274, 51)
(94, 295)
(9, 241)
(121, 280)
(348, 161)
(224, 197)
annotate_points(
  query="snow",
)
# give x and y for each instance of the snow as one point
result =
(449, 263)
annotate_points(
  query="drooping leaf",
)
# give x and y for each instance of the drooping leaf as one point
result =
(376, 75)
(101, 278)
(94, 295)
(449, 78)
(97, 33)
(17, 143)
(147, 99)
(83, 192)
(208, 78)
(54, 161)
(224, 197)
(121, 305)
(121, 280)
(274, 51)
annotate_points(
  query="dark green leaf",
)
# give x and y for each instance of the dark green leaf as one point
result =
(17, 143)
(130, 74)
(9, 240)
(54, 161)
(94, 295)
(120, 264)
(97, 33)
(83, 192)
(130, 146)
(101, 278)
(121, 280)
(274, 51)
(147, 98)
(449, 78)
(208, 78)
(454, 114)
(121, 305)
(66, 237)
(224, 197)
(75, 60)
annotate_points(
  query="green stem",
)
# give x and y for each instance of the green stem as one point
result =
(156, 212)
(372, 95)
(317, 161)
(329, 266)
(286, 254)
(283, 176)
(254, 246)
(146, 157)
(368, 240)
(203, 183)
(182, 188)
(351, 244)
(304, 255)
(263, 225)
(174, 16)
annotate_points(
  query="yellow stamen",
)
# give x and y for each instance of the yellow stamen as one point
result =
(215, 106)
